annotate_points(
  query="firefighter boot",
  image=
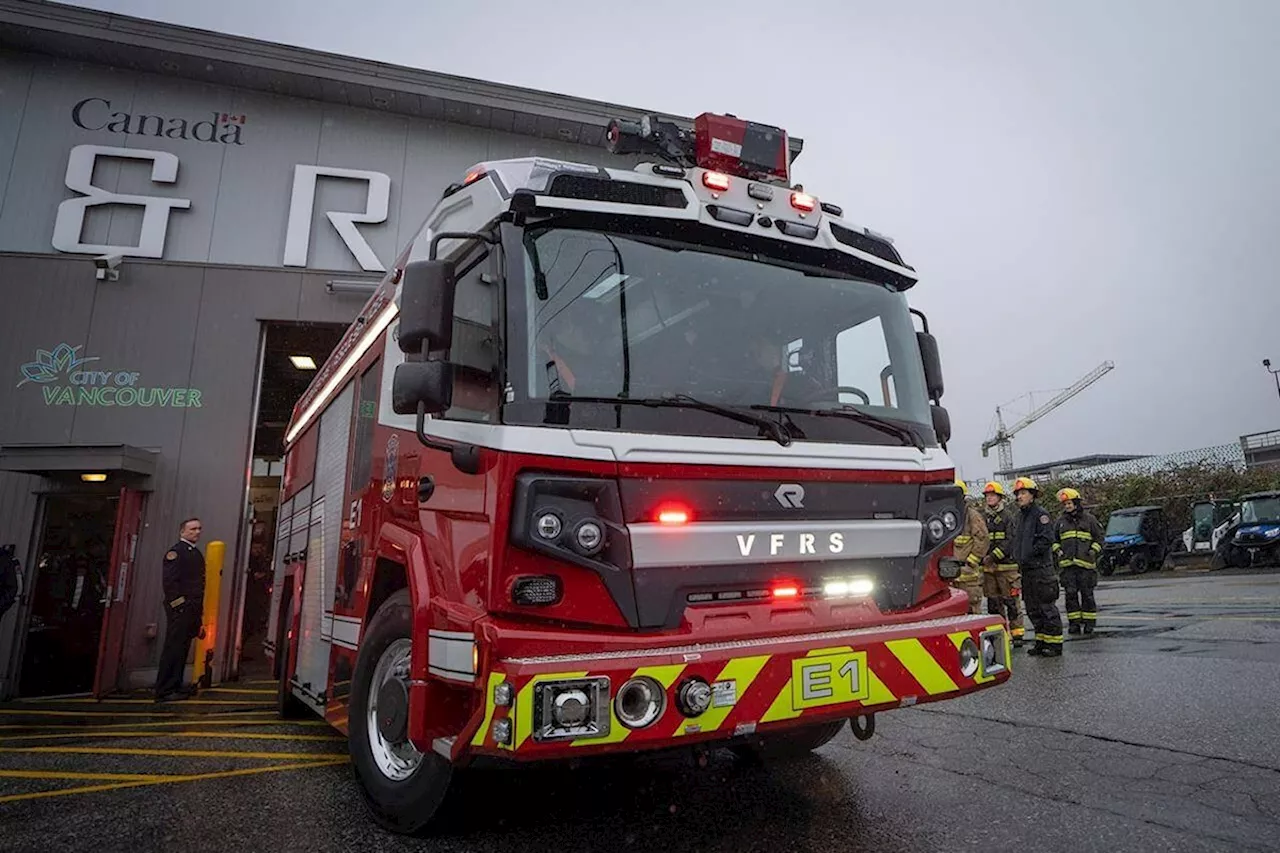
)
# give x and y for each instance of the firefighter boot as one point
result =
(1039, 650)
(1073, 628)
(1088, 627)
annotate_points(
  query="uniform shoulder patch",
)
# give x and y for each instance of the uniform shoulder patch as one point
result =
(172, 555)
(1044, 519)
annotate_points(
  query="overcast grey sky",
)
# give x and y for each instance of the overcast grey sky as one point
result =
(1092, 179)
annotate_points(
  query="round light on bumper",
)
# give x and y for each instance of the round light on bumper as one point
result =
(589, 537)
(936, 529)
(570, 708)
(968, 657)
(549, 525)
(950, 520)
(639, 702)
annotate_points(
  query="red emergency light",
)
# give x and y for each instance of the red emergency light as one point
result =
(747, 149)
(722, 144)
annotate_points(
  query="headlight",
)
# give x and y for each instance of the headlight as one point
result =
(1272, 533)
(950, 520)
(936, 529)
(968, 657)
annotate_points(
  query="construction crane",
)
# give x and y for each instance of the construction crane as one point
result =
(1003, 438)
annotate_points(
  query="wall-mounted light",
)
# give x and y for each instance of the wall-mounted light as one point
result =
(93, 478)
(303, 362)
(364, 288)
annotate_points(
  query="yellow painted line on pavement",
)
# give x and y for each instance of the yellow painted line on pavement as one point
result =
(237, 690)
(166, 753)
(61, 775)
(185, 702)
(192, 733)
(7, 712)
(172, 780)
(191, 721)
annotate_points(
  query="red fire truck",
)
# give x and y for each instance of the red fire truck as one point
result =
(618, 460)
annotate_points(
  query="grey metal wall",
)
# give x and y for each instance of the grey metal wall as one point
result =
(192, 319)
(240, 194)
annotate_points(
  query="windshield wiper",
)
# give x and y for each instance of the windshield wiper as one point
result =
(771, 428)
(900, 431)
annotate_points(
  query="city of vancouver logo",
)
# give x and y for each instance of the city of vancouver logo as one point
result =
(68, 378)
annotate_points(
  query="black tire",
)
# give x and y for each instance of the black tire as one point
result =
(401, 806)
(1139, 564)
(784, 746)
(288, 706)
(1106, 567)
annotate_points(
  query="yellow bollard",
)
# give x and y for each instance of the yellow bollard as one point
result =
(206, 644)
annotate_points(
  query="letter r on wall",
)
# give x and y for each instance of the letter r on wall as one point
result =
(302, 205)
(69, 225)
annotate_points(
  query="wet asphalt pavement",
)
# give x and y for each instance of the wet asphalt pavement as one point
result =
(1161, 732)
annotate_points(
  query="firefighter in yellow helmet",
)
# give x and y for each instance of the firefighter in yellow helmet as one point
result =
(1078, 539)
(1032, 549)
(1000, 579)
(971, 547)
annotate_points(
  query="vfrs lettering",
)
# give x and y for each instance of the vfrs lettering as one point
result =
(803, 543)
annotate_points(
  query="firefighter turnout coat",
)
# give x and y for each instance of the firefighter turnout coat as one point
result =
(1078, 539)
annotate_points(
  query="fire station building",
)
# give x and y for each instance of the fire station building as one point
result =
(188, 221)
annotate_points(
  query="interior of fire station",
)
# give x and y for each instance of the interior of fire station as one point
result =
(81, 525)
(291, 355)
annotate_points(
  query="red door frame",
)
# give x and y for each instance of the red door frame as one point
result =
(115, 612)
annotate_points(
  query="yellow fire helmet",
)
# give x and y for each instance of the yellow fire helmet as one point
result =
(994, 488)
(1025, 483)
(963, 488)
(1065, 495)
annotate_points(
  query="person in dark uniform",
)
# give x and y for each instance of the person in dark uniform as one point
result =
(1032, 550)
(183, 607)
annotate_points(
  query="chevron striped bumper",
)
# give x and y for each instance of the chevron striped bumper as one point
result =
(564, 706)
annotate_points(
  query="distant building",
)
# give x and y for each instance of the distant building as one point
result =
(1261, 448)
(1049, 470)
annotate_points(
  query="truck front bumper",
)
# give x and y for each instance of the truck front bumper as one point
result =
(555, 707)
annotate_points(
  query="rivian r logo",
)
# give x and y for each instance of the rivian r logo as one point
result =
(790, 495)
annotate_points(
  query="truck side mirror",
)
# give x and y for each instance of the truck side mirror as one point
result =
(426, 307)
(428, 382)
(941, 424)
(932, 365)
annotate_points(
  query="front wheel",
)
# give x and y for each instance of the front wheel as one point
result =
(783, 746)
(1139, 564)
(402, 787)
(1106, 565)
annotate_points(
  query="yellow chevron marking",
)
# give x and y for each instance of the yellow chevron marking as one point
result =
(781, 708)
(524, 703)
(922, 666)
(741, 670)
(664, 675)
(877, 693)
(495, 678)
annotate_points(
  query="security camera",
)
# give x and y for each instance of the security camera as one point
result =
(106, 266)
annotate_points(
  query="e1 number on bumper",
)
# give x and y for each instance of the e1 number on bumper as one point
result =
(828, 679)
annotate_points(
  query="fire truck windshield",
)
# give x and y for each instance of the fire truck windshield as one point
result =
(612, 315)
